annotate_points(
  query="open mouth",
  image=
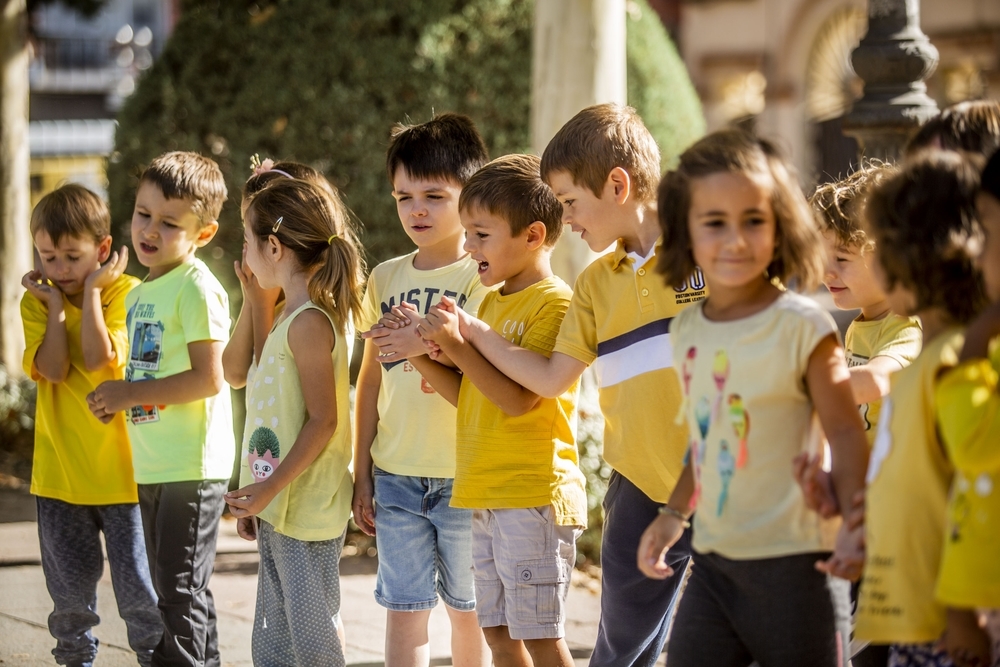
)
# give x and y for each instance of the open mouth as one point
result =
(483, 266)
(420, 228)
(147, 248)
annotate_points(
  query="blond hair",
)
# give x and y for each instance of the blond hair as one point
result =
(600, 138)
(839, 204)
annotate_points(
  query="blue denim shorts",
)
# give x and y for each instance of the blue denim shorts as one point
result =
(424, 544)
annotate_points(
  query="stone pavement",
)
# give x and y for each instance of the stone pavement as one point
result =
(25, 604)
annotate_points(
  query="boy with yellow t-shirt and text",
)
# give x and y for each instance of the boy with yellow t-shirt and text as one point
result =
(517, 463)
(74, 330)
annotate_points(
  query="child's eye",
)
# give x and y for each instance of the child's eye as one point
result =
(401, 198)
(73, 259)
(481, 235)
(170, 225)
(842, 259)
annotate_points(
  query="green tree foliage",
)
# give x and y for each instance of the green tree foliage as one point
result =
(322, 83)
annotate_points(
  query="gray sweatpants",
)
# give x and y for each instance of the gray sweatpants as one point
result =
(298, 602)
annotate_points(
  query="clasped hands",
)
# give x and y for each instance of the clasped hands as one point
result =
(402, 333)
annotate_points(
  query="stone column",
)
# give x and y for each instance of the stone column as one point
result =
(894, 58)
(578, 60)
(15, 239)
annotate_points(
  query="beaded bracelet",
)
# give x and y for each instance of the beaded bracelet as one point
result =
(667, 509)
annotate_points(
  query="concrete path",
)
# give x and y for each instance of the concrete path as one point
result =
(25, 605)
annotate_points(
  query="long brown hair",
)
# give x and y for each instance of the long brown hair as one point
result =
(316, 227)
(799, 252)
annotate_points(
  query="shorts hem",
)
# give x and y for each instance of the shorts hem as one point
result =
(406, 606)
(547, 631)
(458, 605)
(492, 620)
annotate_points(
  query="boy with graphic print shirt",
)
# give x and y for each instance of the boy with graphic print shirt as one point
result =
(179, 407)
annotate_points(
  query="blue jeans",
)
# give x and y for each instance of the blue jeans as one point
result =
(635, 610)
(424, 544)
(73, 563)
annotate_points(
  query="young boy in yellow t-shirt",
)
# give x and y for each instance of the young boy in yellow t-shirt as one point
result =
(74, 329)
(517, 463)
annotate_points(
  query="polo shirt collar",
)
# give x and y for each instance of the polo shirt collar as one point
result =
(620, 254)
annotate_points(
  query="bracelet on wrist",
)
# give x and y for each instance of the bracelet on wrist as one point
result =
(667, 509)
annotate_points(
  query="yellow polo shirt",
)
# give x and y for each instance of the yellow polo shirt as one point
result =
(619, 321)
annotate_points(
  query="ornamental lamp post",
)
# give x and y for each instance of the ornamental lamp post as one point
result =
(893, 59)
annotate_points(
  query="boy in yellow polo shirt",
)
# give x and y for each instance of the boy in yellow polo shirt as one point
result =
(517, 463)
(74, 328)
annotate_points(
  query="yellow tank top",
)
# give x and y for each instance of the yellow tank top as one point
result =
(907, 498)
(316, 505)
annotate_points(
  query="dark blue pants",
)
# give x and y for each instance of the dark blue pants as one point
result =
(635, 610)
(181, 524)
(73, 563)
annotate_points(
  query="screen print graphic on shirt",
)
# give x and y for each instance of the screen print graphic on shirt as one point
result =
(422, 298)
(853, 361)
(146, 336)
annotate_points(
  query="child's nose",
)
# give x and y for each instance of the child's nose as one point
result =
(468, 245)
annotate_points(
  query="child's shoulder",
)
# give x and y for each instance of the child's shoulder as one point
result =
(196, 275)
(391, 266)
(797, 307)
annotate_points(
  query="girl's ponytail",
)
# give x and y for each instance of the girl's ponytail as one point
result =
(315, 226)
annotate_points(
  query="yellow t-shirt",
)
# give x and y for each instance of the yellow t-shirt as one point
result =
(316, 504)
(906, 504)
(969, 420)
(78, 459)
(186, 441)
(416, 427)
(893, 336)
(618, 321)
(750, 414)
(531, 460)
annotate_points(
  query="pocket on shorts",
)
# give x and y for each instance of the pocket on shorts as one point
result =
(541, 590)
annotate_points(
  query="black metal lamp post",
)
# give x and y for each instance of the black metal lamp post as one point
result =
(894, 58)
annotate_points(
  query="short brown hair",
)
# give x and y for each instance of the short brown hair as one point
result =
(186, 175)
(924, 222)
(447, 146)
(511, 187)
(74, 211)
(799, 253)
(839, 204)
(600, 138)
(972, 126)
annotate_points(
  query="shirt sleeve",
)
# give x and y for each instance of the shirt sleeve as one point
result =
(968, 413)
(204, 312)
(115, 315)
(541, 334)
(900, 341)
(34, 316)
(577, 336)
(369, 314)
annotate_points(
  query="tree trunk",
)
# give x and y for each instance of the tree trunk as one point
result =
(15, 238)
(578, 60)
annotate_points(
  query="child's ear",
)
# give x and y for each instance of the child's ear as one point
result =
(104, 249)
(274, 248)
(207, 232)
(618, 185)
(535, 234)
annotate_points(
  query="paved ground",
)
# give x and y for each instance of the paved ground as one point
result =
(25, 604)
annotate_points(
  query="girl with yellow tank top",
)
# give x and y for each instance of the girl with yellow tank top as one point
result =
(296, 486)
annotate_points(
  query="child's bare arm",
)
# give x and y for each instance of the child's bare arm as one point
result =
(829, 383)
(667, 528)
(238, 355)
(546, 376)
(446, 380)
(204, 379)
(52, 357)
(366, 426)
(983, 329)
(98, 351)
(441, 325)
(870, 382)
(311, 340)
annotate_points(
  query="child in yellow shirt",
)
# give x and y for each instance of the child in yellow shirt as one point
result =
(74, 329)
(517, 463)
(969, 419)
(923, 223)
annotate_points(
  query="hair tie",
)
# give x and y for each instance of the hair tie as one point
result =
(267, 165)
(329, 241)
